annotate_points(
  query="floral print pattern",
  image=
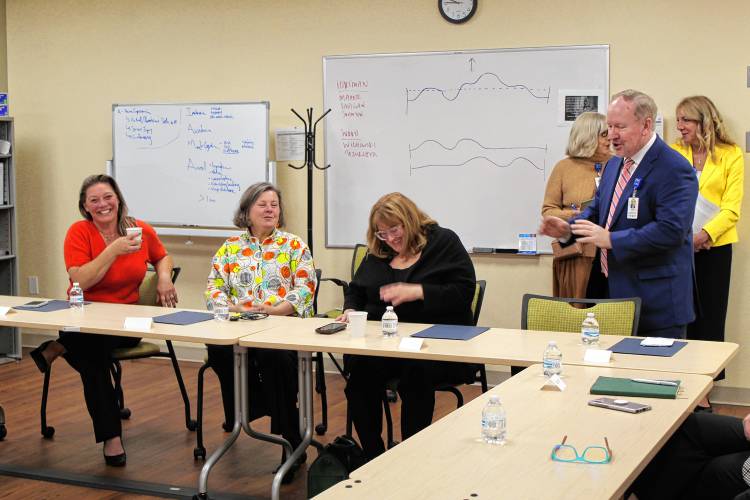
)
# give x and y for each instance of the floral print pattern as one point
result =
(248, 271)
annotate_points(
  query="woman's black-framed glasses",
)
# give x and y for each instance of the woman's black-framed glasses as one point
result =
(591, 455)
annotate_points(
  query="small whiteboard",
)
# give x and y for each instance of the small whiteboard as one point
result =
(470, 136)
(188, 164)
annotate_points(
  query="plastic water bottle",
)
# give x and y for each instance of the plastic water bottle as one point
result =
(389, 322)
(552, 360)
(221, 310)
(494, 422)
(590, 330)
(75, 297)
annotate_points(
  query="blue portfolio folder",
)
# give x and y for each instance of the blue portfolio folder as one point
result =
(51, 306)
(633, 346)
(450, 332)
(183, 318)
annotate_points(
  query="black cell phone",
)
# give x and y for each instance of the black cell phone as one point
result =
(331, 328)
(253, 316)
(620, 405)
(36, 303)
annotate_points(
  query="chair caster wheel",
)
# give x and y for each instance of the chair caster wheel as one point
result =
(192, 425)
(320, 429)
(227, 427)
(125, 413)
(200, 496)
(199, 454)
(3, 432)
(48, 432)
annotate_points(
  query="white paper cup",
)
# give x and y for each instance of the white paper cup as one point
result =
(4, 147)
(138, 231)
(357, 323)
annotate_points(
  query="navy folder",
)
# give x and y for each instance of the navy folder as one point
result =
(183, 318)
(51, 306)
(633, 346)
(451, 332)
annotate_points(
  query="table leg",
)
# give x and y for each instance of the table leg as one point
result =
(304, 375)
(241, 421)
(240, 365)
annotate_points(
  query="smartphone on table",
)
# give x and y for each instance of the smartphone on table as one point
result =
(620, 405)
(331, 328)
(36, 303)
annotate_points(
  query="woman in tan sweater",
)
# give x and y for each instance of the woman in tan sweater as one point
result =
(571, 185)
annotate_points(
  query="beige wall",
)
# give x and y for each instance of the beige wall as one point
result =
(68, 61)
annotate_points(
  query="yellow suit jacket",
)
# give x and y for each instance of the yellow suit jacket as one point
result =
(721, 183)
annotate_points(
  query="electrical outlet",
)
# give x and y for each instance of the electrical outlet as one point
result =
(33, 285)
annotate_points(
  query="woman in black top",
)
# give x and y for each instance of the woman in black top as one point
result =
(424, 272)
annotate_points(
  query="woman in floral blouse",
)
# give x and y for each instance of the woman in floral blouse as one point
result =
(271, 271)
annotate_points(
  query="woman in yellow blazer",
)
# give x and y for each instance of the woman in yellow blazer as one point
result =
(720, 166)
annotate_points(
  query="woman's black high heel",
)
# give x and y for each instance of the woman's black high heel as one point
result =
(115, 460)
(38, 357)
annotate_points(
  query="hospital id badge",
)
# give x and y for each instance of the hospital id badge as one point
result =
(632, 208)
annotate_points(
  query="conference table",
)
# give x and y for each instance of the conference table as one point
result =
(109, 319)
(450, 460)
(495, 346)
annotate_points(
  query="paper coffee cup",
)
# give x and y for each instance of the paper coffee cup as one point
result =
(357, 323)
(138, 231)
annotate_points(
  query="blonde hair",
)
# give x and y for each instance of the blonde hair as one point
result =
(396, 209)
(645, 107)
(584, 135)
(712, 130)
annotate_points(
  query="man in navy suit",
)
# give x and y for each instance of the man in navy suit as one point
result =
(641, 219)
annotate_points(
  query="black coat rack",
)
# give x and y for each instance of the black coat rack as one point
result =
(310, 163)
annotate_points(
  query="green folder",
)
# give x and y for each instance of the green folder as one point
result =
(613, 386)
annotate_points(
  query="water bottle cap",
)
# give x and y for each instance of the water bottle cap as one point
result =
(75, 283)
(389, 308)
(552, 342)
(590, 315)
(494, 399)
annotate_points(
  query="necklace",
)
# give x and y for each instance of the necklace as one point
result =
(698, 159)
(109, 238)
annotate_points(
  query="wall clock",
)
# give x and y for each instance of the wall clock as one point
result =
(457, 11)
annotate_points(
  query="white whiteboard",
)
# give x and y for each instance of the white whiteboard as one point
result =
(188, 164)
(470, 136)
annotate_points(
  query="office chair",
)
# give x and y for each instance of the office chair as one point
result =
(147, 292)
(360, 251)
(3, 430)
(559, 314)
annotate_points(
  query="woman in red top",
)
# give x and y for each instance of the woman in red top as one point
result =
(109, 266)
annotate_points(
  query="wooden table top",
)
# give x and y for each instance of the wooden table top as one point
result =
(495, 346)
(449, 459)
(106, 318)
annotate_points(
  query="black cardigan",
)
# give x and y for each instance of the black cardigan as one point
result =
(445, 272)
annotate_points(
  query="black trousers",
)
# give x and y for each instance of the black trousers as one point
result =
(702, 460)
(91, 356)
(272, 382)
(366, 386)
(713, 268)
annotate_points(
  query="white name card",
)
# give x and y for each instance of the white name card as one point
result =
(657, 342)
(410, 344)
(597, 356)
(134, 323)
(4, 310)
(558, 382)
